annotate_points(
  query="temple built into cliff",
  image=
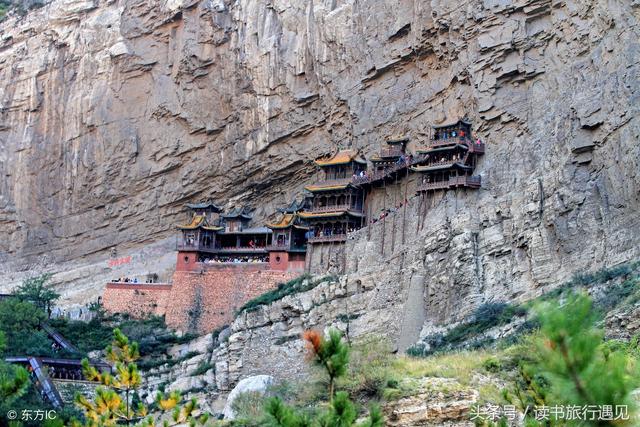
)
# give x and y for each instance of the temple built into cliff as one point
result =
(336, 202)
(448, 161)
(225, 258)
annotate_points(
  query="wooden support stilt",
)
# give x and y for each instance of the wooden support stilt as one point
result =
(344, 258)
(384, 215)
(426, 207)
(419, 211)
(369, 219)
(309, 255)
(405, 202)
(393, 219)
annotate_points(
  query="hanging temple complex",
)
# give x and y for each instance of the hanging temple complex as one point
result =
(224, 259)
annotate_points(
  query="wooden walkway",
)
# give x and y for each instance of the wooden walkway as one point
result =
(58, 338)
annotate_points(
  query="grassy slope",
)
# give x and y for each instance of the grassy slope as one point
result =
(489, 367)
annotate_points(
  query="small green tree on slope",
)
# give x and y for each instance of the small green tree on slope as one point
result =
(112, 402)
(38, 292)
(14, 382)
(332, 355)
(571, 364)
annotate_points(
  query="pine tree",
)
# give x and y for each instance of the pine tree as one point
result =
(570, 364)
(571, 358)
(112, 403)
(14, 381)
(332, 355)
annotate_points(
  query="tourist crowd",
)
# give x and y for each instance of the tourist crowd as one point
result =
(235, 259)
(129, 280)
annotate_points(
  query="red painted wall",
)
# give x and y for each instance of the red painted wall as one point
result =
(186, 261)
(293, 262)
(279, 261)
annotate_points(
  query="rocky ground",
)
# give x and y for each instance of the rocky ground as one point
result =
(437, 390)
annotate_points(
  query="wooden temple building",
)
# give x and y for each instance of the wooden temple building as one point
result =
(449, 159)
(392, 154)
(288, 239)
(215, 237)
(335, 203)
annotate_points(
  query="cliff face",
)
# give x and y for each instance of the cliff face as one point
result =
(115, 113)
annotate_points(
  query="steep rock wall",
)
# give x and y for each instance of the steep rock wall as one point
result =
(114, 113)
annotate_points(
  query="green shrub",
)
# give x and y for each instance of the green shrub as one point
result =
(248, 408)
(297, 285)
(202, 368)
(468, 334)
(587, 280)
(369, 372)
(86, 336)
(331, 355)
(20, 321)
(465, 335)
(492, 365)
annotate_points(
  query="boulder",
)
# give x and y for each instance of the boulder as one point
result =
(255, 383)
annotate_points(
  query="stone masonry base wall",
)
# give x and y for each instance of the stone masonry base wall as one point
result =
(138, 300)
(204, 301)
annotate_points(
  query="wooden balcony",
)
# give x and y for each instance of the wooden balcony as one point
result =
(236, 266)
(445, 162)
(331, 208)
(328, 239)
(380, 175)
(459, 181)
(199, 247)
(334, 181)
(286, 248)
(476, 148)
(240, 249)
(427, 186)
(444, 142)
(466, 181)
(390, 152)
(195, 247)
(447, 142)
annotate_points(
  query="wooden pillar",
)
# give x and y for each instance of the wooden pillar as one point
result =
(393, 219)
(369, 223)
(420, 202)
(405, 202)
(384, 214)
